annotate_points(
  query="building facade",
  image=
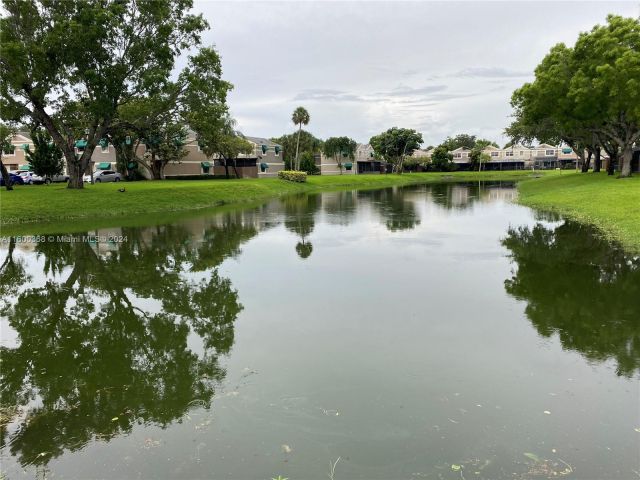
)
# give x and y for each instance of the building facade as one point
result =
(265, 160)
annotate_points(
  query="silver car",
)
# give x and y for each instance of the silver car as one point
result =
(106, 176)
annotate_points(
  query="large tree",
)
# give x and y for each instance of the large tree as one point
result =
(196, 99)
(339, 148)
(94, 55)
(394, 145)
(299, 117)
(586, 96)
(307, 143)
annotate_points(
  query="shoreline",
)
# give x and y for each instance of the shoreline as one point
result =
(588, 198)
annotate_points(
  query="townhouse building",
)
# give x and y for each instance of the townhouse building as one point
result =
(265, 159)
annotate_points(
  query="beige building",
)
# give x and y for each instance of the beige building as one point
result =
(518, 157)
(336, 166)
(104, 156)
(266, 159)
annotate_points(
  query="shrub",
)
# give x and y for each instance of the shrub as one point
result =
(293, 176)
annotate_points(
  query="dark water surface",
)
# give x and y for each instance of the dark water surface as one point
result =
(423, 332)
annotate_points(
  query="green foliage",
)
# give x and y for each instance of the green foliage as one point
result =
(300, 116)
(588, 95)
(293, 176)
(461, 140)
(308, 143)
(308, 163)
(395, 144)
(6, 133)
(340, 147)
(46, 159)
(442, 160)
(70, 65)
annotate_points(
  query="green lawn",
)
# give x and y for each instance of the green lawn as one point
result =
(611, 204)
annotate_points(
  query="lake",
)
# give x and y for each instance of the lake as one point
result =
(437, 331)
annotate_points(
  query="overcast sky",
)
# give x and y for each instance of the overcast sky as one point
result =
(361, 67)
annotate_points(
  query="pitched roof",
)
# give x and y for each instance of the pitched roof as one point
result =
(261, 141)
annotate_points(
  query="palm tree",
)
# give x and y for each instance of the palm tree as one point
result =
(300, 117)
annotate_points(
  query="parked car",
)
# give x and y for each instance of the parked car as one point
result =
(104, 176)
(16, 179)
(56, 178)
(30, 178)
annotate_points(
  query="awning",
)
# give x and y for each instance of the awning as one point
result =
(104, 143)
(263, 167)
(132, 165)
(104, 166)
(25, 168)
(277, 149)
(264, 148)
(205, 164)
(25, 147)
(567, 150)
(348, 165)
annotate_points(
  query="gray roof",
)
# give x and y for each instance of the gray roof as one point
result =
(261, 141)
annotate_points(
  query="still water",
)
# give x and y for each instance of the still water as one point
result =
(423, 332)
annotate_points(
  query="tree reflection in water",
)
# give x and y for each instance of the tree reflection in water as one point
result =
(103, 344)
(574, 282)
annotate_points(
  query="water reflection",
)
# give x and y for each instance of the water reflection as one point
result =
(582, 288)
(300, 212)
(106, 341)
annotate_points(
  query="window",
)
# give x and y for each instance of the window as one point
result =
(464, 155)
(457, 155)
(10, 151)
(550, 153)
(521, 153)
(104, 149)
(508, 153)
(495, 154)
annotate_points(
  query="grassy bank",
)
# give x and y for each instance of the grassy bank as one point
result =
(60, 208)
(609, 203)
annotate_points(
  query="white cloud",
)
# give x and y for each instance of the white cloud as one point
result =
(362, 67)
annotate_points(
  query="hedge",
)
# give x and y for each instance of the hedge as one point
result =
(293, 176)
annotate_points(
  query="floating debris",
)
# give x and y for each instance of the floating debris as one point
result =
(547, 412)
(114, 419)
(455, 467)
(532, 456)
(286, 449)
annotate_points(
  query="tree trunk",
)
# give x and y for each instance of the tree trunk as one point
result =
(75, 172)
(6, 177)
(235, 168)
(587, 162)
(625, 159)
(597, 161)
(611, 163)
(297, 167)
(226, 167)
